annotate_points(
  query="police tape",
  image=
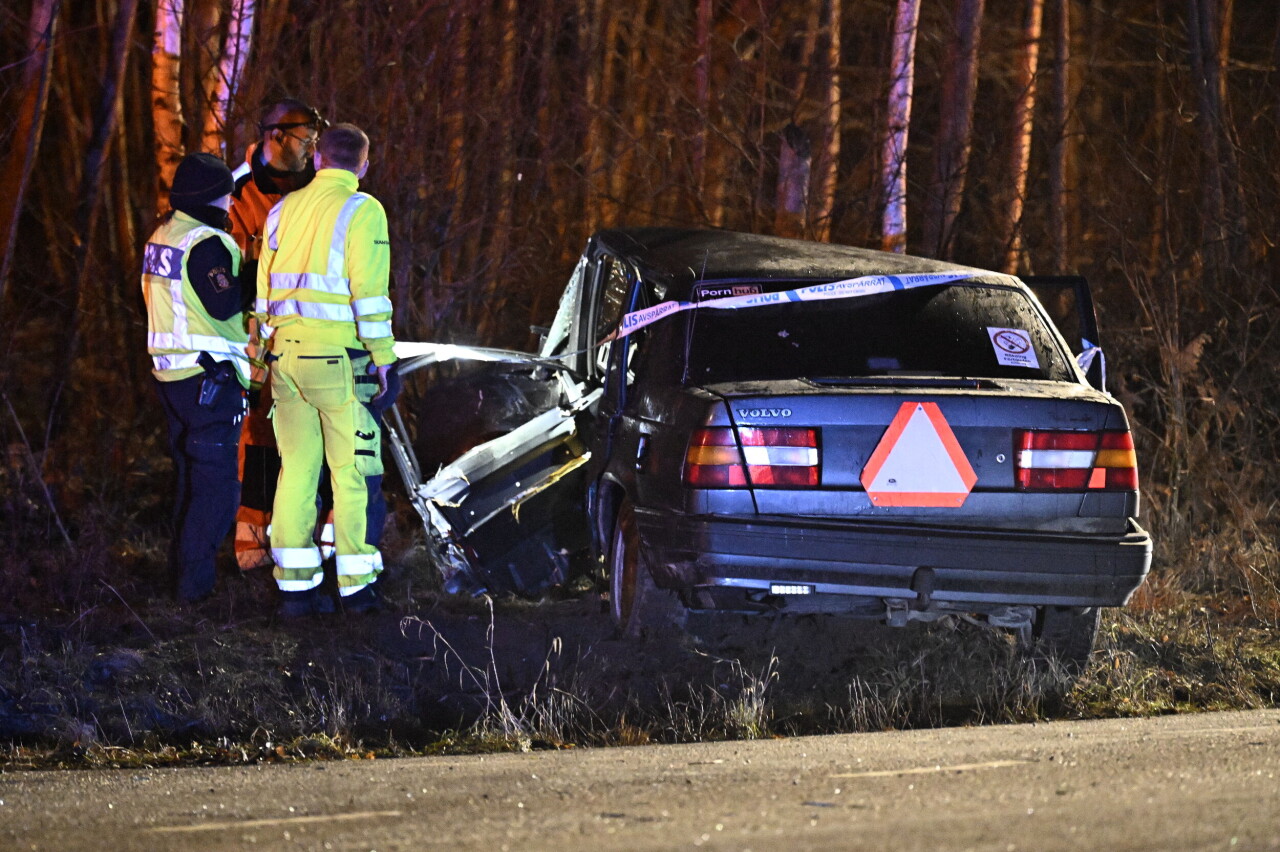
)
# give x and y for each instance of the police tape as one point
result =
(867, 285)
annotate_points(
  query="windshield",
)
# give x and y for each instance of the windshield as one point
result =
(950, 330)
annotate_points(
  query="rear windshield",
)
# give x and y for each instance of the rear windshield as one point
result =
(951, 330)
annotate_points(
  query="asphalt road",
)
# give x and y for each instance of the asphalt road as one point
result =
(1208, 781)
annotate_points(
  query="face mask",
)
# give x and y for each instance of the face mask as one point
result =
(208, 214)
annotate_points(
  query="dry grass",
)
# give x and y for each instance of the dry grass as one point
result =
(98, 668)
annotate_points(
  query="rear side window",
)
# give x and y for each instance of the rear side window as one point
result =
(613, 293)
(950, 330)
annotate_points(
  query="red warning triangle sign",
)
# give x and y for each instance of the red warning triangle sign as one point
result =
(918, 462)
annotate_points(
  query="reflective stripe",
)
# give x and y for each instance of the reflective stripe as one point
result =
(209, 343)
(296, 557)
(179, 310)
(326, 540)
(300, 585)
(357, 564)
(337, 286)
(372, 330)
(371, 305)
(273, 226)
(176, 362)
(310, 310)
(338, 245)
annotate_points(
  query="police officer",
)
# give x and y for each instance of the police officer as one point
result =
(322, 299)
(278, 164)
(197, 340)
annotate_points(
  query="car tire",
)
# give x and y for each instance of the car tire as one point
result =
(639, 607)
(1066, 634)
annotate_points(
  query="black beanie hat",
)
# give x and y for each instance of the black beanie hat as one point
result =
(200, 180)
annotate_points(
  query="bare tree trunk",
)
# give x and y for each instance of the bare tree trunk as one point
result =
(587, 16)
(204, 22)
(235, 53)
(829, 164)
(1058, 190)
(497, 290)
(606, 204)
(461, 24)
(1023, 123)
(629, 143)
(955, 130)
(551, 138)
(702, 96)
(760, 58)
(269, 20)
(808, 50)
(28, 127)
(166, 98)
(108, 113)
(114, 298)
(794, 163)
(795, 155)
(1223, 216)
(893, 230)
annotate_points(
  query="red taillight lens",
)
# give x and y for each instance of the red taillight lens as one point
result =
(1074, 461)
(775, 458)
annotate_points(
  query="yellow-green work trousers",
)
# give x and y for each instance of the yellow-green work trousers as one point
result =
(320, 415)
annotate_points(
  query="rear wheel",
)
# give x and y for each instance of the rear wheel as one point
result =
(639, 607)
(1066, 634)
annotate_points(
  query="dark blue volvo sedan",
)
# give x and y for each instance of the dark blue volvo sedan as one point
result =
(751, 424)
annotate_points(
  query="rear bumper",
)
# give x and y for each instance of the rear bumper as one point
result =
(929, 567)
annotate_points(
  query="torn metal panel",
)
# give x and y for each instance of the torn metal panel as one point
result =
(498, 515)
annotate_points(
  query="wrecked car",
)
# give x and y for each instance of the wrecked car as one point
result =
(749, 424)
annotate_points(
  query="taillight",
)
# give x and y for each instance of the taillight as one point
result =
(775, 458)
(1074, 461)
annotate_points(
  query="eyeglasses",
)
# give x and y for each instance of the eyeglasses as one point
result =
(308, 142)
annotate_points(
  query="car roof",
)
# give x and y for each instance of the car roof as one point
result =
(679, 257)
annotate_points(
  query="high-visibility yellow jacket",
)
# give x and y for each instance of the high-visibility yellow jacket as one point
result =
(178, 326)
(325, 267)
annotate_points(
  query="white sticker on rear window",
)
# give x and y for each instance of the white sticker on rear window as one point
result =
(1013, 347)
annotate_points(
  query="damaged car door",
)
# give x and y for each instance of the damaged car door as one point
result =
(507, 514)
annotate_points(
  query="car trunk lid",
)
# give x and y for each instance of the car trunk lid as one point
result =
(909, 447)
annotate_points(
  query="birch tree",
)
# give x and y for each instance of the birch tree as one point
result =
(166, 99)
(1023, 121)
(829, 166)
(235, 53)
(955, 130)
(28, 125)
(893, 229)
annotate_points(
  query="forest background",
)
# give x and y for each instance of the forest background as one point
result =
(1136, 142)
